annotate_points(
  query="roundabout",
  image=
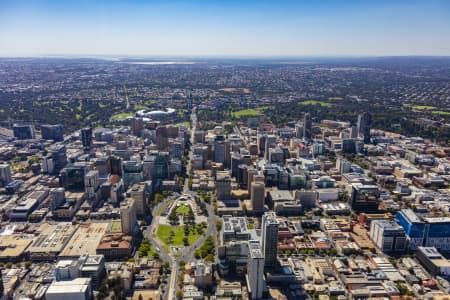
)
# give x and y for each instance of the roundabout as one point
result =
(181, 224)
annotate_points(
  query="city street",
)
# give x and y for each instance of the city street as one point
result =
(188, 252)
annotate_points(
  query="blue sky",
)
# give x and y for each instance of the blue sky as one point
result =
(224, 28)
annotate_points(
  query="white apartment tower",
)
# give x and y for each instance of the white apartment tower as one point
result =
(269, 238)
(128, 215)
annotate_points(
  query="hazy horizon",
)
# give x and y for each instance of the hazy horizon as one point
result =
(253, 29)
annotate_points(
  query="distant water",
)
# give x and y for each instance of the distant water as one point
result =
(161, 63)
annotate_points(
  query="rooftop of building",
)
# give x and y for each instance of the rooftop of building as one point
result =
(78, 285)
(52, 237)
(222, 175)
(13, 245)
(116, 241)
(255, 249)
(414, 218)
(73, 195)
(387, 224)
(93, 259)
(85, 240)
(270, 217)
(278, 195)
(234, 223)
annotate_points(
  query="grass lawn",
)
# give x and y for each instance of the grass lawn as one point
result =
(335, 98)
(121, 116)
(182, 209)
(418, 107)
(152, 251)
(315, 102)
(141, 107)
(163, 233)
(116, 226)
(185, 123)
(149, 102)
(250, 112)
(441, 112)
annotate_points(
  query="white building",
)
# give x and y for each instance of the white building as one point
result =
(269, 238)
(255, 270)
(91, 184)
(138, 195)
(388, 235)
(76, 289)
(128, 215)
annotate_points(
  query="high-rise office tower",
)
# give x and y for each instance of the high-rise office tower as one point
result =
(71, 177)
(91, 184)
(132, 173)
(269, 238)
(236, 160)
(261, 141)
(137, 126)
(298, 130)
(258, 195)
(388, 235)
(128, 215)
(364, 123)
(227, 158)
(241, 177)
(161, 165)
(307, 127)
(115, 165)
(58, 157)
(139, 196)
(250, 173)
(177, 150)
(219, 151)
(223, 186)
(172, 131)
(5, 174)
(86, 137)
(365, 198)
(259, 177)
(353, 132)
(52, 132)
(57, 197)
(24, 132)
(162, 138)
(2, 288)
(271, 141)
(255, 270)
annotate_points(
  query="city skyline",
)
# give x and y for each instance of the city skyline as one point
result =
(231, 29)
